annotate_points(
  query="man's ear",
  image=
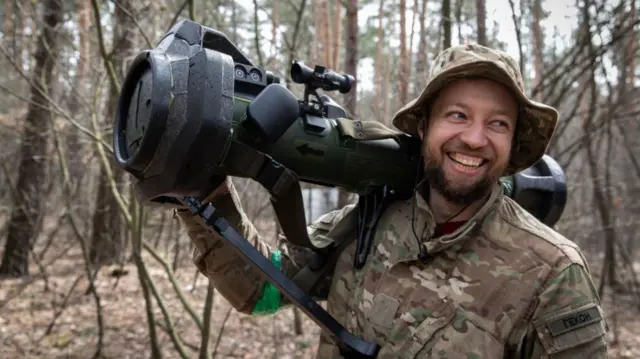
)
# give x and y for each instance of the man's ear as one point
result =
(422, 128)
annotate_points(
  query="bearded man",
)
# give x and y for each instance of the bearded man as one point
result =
(459, 270)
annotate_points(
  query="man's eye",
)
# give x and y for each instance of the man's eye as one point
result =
(501, 123)
(457, 115)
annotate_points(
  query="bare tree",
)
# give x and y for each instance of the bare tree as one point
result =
(75, 147)
(29, 198)
(446, 24)
(351, 53)
(403, 73)
(421, 61)
(516, 24)
(8, 25)
(337, 33)
(379, 46)
(351, 67)
(107, 241)
(536, 33)
(481, 18)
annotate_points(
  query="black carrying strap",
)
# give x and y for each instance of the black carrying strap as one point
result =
(283, 185)
(286, 199)
(371, 208)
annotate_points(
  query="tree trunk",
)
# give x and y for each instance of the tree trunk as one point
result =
(319, 43)
(482, 22)
(457, 9)
(632, 126)
(379, 75)
(516, 24)
(536, 33)
(351, 52)
(293, 42)
(75, 147)
(107, 241)
(22, 47)
(273, 51)
(24, 223)
(632, 49)
(256, 34)
(409, 64)
(421, 62)
(234, 22)
(403, 81)
(386, 87)
(601, 189)
(326, 37)
(446, 24)
(350, 67)
(337, 34)
(8, 26)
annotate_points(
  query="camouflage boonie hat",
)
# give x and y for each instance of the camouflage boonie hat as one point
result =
(536, 121)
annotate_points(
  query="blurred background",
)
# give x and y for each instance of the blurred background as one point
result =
(86, 273)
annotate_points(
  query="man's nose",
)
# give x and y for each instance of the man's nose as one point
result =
(474, 135)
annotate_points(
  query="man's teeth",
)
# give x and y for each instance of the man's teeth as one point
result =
(466, 160)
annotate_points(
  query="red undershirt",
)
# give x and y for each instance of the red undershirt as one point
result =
(447, 228)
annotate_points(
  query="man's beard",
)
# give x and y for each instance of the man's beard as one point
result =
(436, 179)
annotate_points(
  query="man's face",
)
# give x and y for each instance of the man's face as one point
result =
(468, 138)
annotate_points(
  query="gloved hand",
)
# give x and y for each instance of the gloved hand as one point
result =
(219, 185)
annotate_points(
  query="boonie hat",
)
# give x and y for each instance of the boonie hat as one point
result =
(536, 121)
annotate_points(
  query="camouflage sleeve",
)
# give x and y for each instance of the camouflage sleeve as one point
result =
(236, 280)
(568, 321)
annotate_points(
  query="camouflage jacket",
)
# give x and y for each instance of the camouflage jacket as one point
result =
(502, 286)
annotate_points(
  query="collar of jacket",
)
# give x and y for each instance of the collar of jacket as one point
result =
(405, 242)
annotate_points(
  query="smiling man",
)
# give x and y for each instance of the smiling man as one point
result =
(466, 142)
(459, 270)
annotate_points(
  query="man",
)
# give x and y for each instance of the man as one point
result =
(459, 270)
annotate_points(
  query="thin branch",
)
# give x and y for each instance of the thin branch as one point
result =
(174, 283)
(56, 107)
(177, 15)
(256, 33)
(92, 287)
(206, 313)
(192, 10)
(137, 258)
(135, 22)
(224, 323)
(105, 163)
(103, 51)
(66, 187)
(165, 313)
(65, 301)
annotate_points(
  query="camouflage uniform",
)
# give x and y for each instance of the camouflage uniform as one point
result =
(503, 285)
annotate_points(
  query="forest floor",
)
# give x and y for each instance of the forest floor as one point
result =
(27, 310)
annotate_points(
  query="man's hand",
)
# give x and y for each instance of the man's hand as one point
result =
(219, 190)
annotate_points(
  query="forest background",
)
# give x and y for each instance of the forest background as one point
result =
(87, 273)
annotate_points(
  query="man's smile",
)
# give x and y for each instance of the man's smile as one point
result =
(466, 160)
(470, 165)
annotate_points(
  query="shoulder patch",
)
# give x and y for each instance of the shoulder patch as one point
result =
(571, 328)
(573, 320)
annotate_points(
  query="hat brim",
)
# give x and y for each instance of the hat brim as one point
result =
(536, 123)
